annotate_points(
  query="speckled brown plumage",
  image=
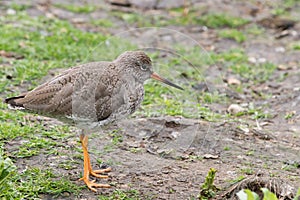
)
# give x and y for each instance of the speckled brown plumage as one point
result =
(105, 86)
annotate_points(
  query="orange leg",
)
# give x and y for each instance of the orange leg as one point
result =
(87, 168)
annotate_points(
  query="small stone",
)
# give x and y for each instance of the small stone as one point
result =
(261, 60)
(65, 194)
(50, 15)
(72, 143)
(170, 4)
(296, 89)
(210, 156)
(282, 67)
(246, 130)
(22, 44)
(235, 108)
(282, 34)
(231, 173)
(198, 29)
(294, 33)
(175, 134)
(252, 60)
(11, 11)
(181, 178)
(146, 4)
(78, 20)
(159, 182)
(280, 49)
(233, 81)
(185, 156)
(164, 151)
(264, 123)
(124, 187)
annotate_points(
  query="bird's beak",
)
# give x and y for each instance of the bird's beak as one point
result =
(166, 81)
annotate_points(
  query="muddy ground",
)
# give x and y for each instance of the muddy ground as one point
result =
(169, 157)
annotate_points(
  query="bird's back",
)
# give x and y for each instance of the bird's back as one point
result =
(83, 92)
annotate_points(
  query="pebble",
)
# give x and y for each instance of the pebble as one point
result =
(11, 11)
(252, 60)
(235, 108)
(280, 49)
(233, 81)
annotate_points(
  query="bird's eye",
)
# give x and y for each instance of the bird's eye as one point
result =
(144, 67)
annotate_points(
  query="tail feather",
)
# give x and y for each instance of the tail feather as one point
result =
(14, 102)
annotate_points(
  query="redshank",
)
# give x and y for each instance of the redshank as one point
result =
(92, 95)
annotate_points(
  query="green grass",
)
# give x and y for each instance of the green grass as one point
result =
(208, 188)
(122, 195)
(6, 169)
(247, 171)
(116, 138)
(258, 113)
(211, 20)
(255, 30)
(19, 7)
(237, 61)
(87, 8)
(44, 44)
(106, 23)
(34, 138)
(178, 104)
(33, 182)
(136, 19)
(232, 56)
(237, 179)
(233, 34)
(284, 7)
(255, 113)
(214, 20)
(258, 74)
(296, 46)
(38, 137)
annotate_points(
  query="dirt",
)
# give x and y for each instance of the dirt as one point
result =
(169, 157)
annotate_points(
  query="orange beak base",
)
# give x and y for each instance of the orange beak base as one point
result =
(166, 81)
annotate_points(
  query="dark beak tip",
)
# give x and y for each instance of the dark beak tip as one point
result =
(181, 88)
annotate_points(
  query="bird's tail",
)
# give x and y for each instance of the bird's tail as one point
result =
(15, 102)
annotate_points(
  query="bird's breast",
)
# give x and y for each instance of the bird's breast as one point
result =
(136, 98)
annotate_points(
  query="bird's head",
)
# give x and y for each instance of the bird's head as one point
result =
(140, 66)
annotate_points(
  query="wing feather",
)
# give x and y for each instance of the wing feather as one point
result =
(81, 90)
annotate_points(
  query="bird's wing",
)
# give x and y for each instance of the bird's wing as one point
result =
(109, 96)
(72, 92)
(121, 100)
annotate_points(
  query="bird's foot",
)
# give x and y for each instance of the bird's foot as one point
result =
(92, 185)
(98, 174)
